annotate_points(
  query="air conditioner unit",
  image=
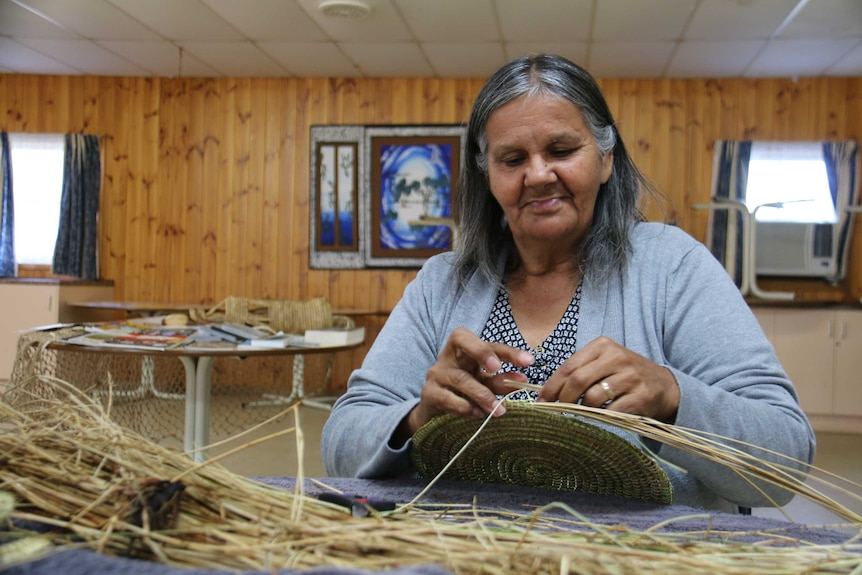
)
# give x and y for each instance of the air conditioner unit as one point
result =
(793, 249)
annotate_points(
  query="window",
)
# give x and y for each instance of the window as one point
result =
(789, 183)
(37, 184)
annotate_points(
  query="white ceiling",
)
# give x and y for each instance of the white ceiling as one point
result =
(427, 38)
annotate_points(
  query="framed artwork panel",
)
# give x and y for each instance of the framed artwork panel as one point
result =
(413, 180)
(337, 202)
(382, 196)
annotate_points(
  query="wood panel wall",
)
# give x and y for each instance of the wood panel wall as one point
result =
(206, 181)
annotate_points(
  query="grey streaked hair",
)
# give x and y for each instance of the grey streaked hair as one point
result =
(479, 216)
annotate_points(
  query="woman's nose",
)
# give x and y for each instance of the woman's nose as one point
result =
(539, 174)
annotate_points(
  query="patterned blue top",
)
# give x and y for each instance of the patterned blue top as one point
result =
(550, 354)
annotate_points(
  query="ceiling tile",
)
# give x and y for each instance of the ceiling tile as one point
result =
(713, 59)
(641, 21)
(849, 65)
(545, 20)
(830, 18)
(465, 60)
(576, 52)
(269, 20)
(445, 21)
(236, 59)
(738, 20)
(793, 58)
(384, 24)
(160, 58)
(311, 59)
(16, 21)
(16, 57)
(388, 60)
(85, 56)
(185, 20)
(629, 59)
(94, 19)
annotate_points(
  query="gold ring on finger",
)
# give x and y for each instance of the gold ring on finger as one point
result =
(609, 393)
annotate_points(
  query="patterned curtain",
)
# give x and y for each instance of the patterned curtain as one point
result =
(77, 237)
(726, 227)
(841, 168)
(7, 212)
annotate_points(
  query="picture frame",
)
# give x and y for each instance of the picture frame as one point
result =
(412, 176)
(382, 196)
(337, 204)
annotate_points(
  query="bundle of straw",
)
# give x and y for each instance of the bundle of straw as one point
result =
(75, 471)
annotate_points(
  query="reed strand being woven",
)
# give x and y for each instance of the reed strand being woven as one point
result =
(70, 467)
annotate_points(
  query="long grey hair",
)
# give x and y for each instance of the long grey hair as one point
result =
(482, 237)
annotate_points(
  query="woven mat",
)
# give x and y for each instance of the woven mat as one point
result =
(539, 449)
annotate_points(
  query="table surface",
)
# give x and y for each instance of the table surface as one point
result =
(154, 306)
(193, 351)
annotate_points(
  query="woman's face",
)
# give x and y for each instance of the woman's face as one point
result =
(545, 169)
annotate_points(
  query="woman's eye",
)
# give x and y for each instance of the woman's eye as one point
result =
(562, 152)
(511, 162)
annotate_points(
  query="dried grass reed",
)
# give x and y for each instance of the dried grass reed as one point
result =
(70, 467)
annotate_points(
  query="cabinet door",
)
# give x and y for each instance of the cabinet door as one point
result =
(848, 363)
(766, 318)
(23, 306)
(804, 343)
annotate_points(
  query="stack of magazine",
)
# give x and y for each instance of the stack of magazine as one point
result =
(149, 334)
(134, 335)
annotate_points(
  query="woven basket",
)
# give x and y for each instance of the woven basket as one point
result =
(539, 449)
(289, 316)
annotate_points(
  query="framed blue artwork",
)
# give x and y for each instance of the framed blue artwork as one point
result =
(383, 196)
(413, 177)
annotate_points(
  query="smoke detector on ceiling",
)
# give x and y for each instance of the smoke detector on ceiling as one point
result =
(345, 9)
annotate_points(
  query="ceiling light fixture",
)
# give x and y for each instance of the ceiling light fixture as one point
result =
(345, 9)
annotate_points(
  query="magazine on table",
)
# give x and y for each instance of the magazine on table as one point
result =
(146, 335)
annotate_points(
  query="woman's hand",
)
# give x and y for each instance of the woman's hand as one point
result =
(464, 379)
(604, 373)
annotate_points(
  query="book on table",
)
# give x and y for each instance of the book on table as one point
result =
(335, 336)
(277, 341)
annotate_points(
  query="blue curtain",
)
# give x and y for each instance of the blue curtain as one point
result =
(7, 211)
(729, 179)
(841, 166)
(77, 237)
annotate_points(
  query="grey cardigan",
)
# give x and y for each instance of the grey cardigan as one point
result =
(674, 304)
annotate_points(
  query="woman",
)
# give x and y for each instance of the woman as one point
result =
(558, 281)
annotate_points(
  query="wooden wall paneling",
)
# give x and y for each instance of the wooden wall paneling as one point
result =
(678, 177)
(207, 242)
(300, 283)
(249, 158)
(90, 104)
(227, 262)
(131, 114)
(825, 112)
(156, 199)
(236, 197)
(26, 105)
(698, 156)
(271, 187)
(14, 115)
(113, 218)
(261, 151)
(170, 181)
(192, 151)
(660, 149)
(147, 191)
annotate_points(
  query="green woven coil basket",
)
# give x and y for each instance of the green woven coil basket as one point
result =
(537, 448)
